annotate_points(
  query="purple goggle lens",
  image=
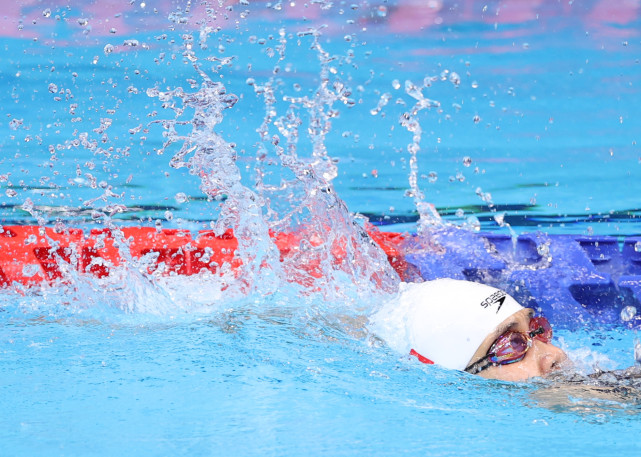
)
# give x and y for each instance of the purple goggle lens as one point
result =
(512, 346)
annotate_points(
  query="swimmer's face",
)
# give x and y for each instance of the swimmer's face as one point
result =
(541, 359)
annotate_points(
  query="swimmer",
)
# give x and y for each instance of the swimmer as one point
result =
(484, 331)
(471, 327)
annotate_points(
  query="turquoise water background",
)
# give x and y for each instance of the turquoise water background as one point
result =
(553, 87)
(543, 119)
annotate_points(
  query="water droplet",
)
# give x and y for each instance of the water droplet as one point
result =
(15, 124)
(169, 215)
(46, 13)
(396, 84)
(543, 249)
(30, 240)
(53, 88)
(30, 269)
(381, 11)
(112, 30)
(473, 223)
(432, 177)
(11, 193)
(180, 197)
(475, 85)
(637, 246)
(460, 213)
(467, 161)
(628, 313)
(476, 119)
(27, 205)
(83, 21)
(109, 48)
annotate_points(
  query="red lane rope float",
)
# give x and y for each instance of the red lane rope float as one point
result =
(30, 255)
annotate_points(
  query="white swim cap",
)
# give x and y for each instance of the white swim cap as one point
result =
(444, 320)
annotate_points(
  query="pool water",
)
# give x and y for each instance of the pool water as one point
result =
(257, 379)
(530, 125)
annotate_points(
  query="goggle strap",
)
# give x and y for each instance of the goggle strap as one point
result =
(476, 367)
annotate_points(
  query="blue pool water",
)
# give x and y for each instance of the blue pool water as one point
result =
(536, 129)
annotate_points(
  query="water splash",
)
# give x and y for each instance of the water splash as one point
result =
(499, 218)
(428, 216)
(328, 236)
(209, 157)
(297, 233)
(298, 230)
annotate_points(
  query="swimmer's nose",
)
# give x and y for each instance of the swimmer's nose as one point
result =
(549, 357)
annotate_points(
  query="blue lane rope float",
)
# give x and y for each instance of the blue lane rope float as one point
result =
(574, 280)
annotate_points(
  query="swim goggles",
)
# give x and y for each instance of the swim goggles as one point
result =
(511, 346)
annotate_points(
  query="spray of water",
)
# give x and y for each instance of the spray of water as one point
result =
(298, 230)
(209, 157)
(295, 232)
(428, 216)
(305, 203)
